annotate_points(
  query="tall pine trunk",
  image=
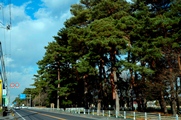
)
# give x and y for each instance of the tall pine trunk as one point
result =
(177, 97)
(173, 97)
(58, 91)
(85, 91)
(116, 93)
(105, 102)
(163, 103)
(100, 85)
(98, 106)
(114, 79)
(132, 77)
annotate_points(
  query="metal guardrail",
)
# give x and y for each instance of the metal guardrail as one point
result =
(112, 113)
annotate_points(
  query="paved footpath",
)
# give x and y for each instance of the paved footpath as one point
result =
(8, 117)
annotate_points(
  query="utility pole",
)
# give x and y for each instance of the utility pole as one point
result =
(30, 100)
(3, 79)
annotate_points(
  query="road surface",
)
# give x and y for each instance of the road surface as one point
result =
(30, 114)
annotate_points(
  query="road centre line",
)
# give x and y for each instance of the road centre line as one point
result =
(47, 115)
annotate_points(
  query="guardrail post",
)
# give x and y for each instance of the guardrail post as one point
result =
(145, 116)
(176, 116)
(93, 112)
(76, 110)
(116, 114)
(109, 113)
(102, 112)
(88, 111)
(84, 111)
(79, 111)
(159, 116)
(134, 116)
(124, 114)
(98, 112)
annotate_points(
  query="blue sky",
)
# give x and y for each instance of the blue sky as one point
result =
(34, 22)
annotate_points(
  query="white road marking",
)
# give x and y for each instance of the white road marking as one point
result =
(19, 115)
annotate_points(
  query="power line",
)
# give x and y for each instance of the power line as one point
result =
(9, 25)
(2, 10)
(10, 12)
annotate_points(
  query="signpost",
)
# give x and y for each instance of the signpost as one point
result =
(26, 96)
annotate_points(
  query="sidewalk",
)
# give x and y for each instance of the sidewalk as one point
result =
(8, 117)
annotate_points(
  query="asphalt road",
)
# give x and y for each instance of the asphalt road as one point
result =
(29, 114)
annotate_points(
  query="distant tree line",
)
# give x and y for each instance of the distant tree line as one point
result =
(114, 52)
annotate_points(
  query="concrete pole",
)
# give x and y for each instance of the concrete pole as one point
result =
(30, 100)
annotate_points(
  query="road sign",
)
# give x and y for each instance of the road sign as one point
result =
(22, 96)
(14, 85)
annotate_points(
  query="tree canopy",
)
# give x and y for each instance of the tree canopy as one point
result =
(103, 40)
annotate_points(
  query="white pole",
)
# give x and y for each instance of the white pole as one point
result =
(102, 112)
(145, 116)
(176, 116)
(84, 111)
(109, 113)
(79, 111)
(124, 114)
(159, 116)
(134, 116)
(116, 114)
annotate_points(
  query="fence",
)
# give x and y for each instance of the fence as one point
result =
(113, 114)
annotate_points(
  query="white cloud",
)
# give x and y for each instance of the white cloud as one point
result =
(24, 44)
(59, 4)
(18, 14)
(42, 13)
(55, 8)
(8, 61)
(55, 3)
